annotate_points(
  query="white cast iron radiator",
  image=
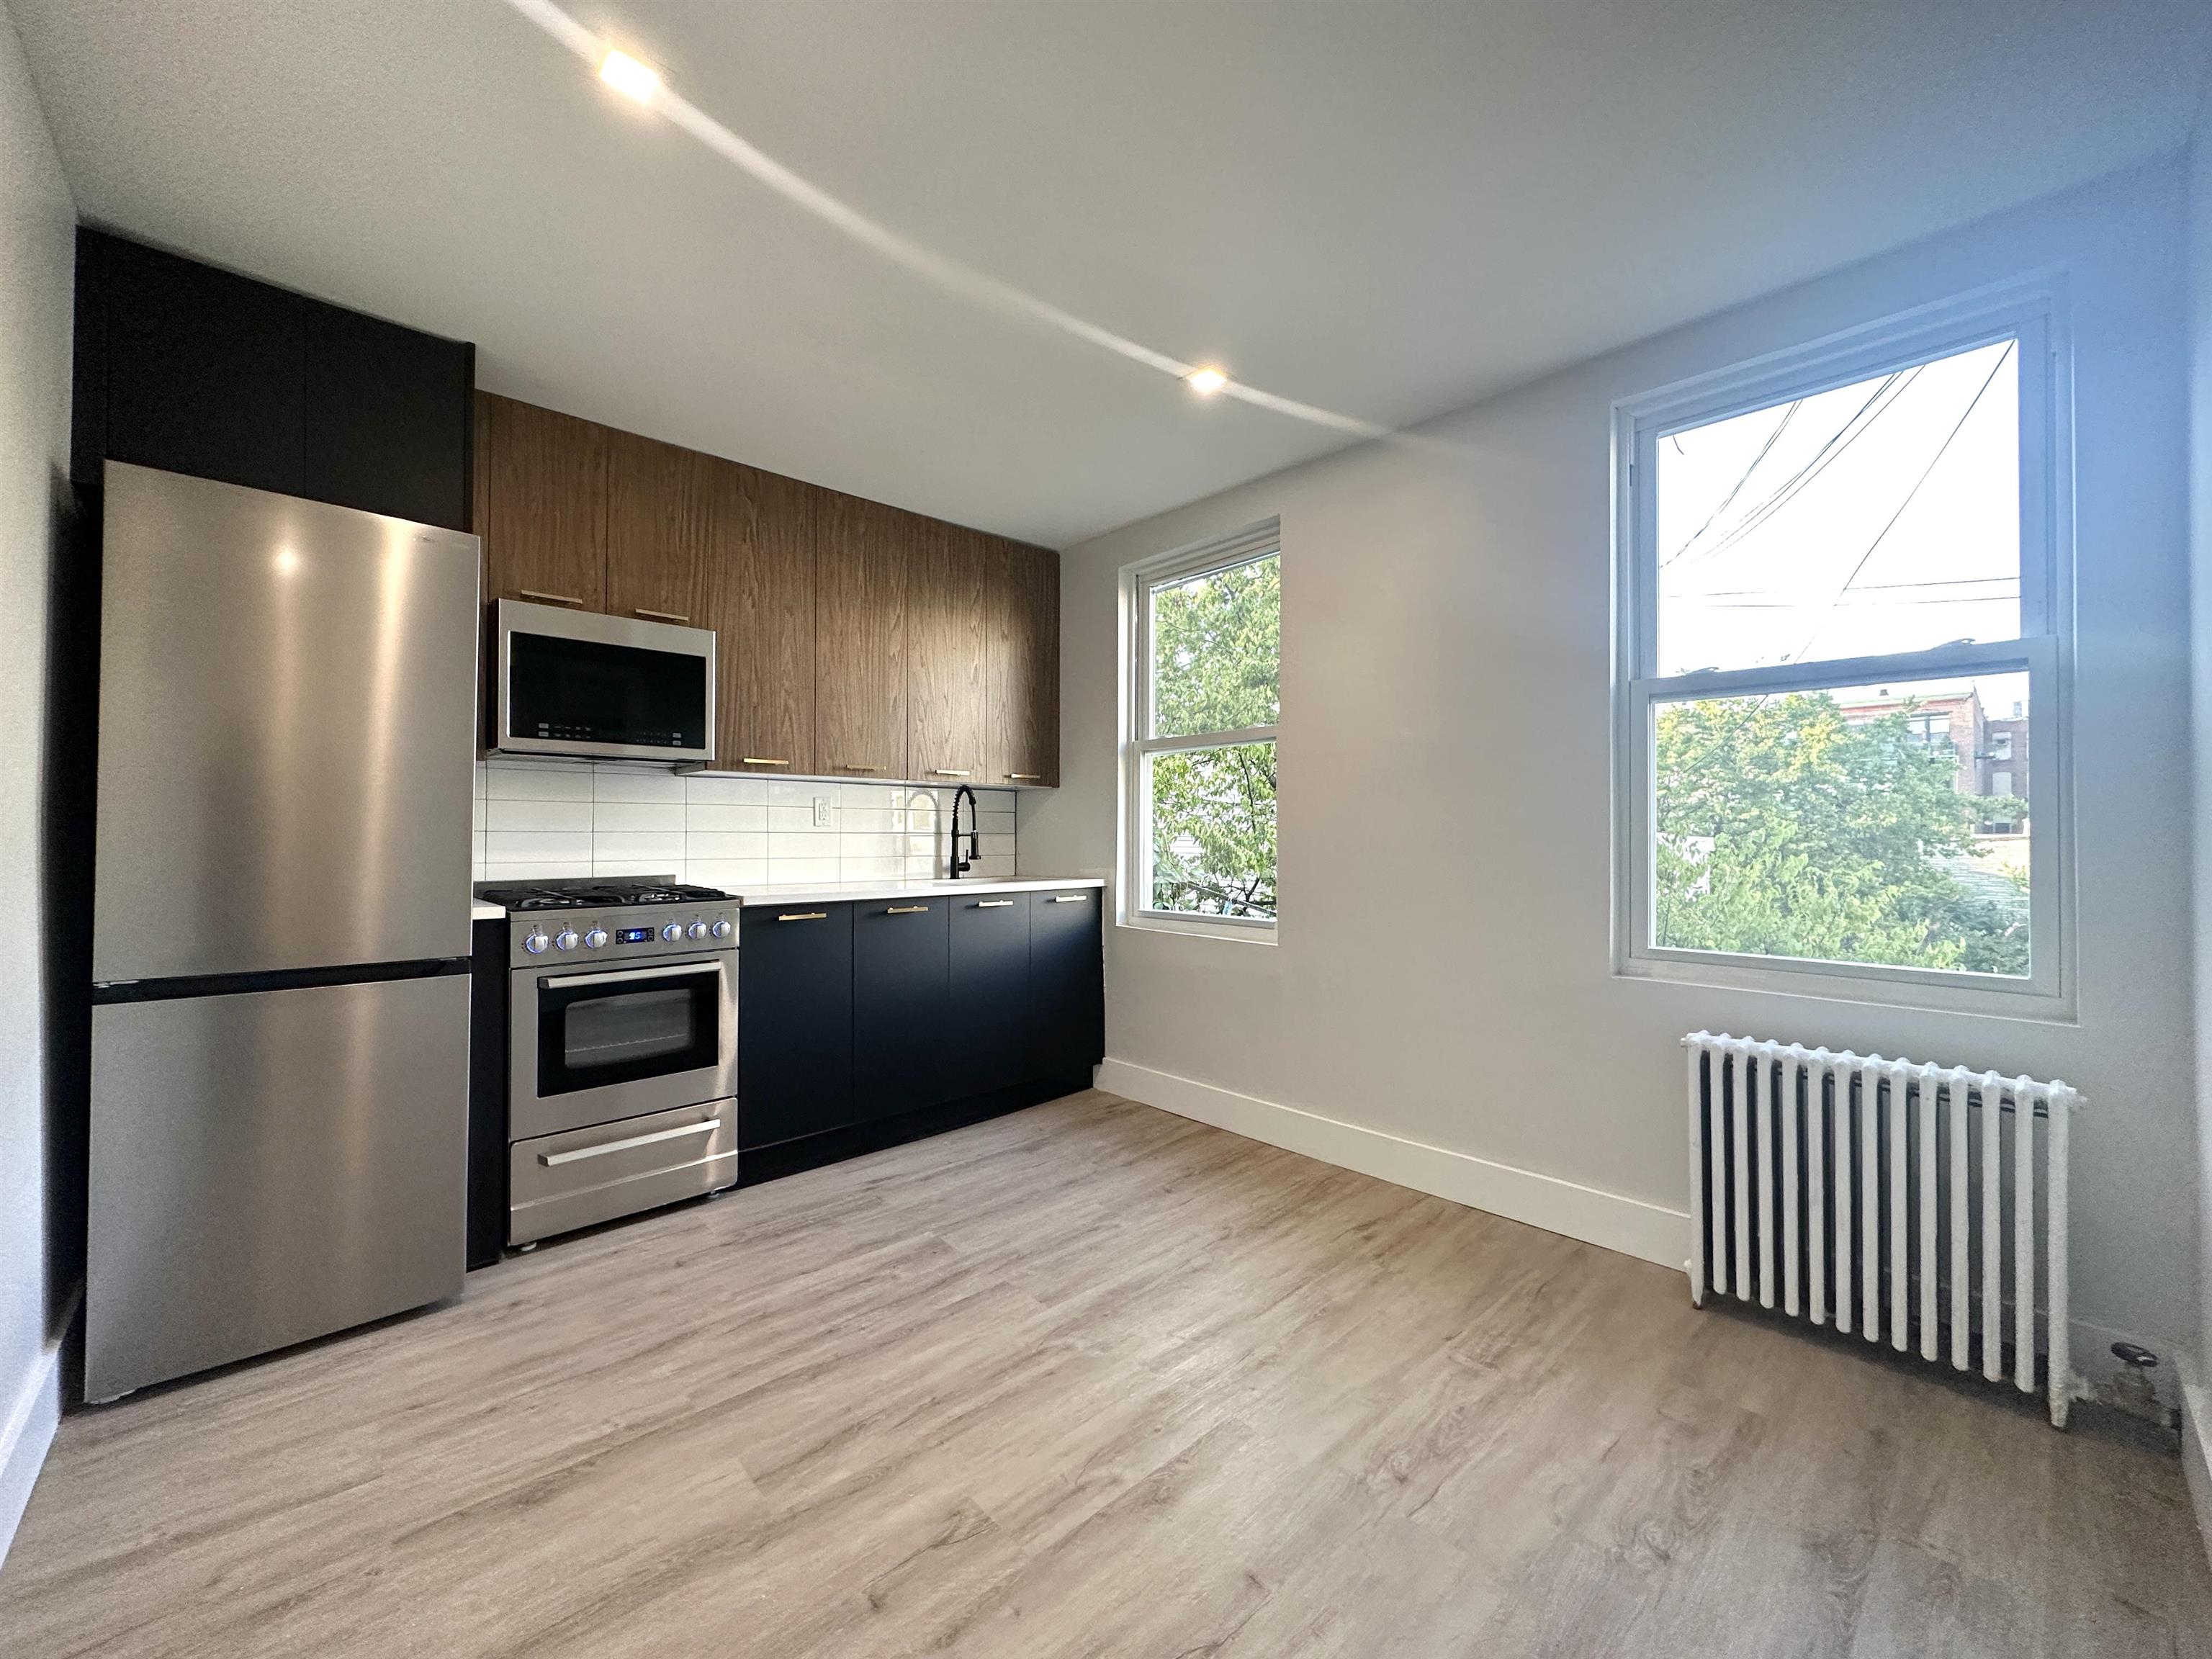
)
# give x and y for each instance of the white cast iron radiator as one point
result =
(1904, 1197)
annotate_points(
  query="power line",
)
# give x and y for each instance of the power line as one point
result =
(2003, 357)
(1736, 488)
(1794, 485)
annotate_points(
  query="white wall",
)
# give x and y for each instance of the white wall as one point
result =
(1442, 974)
(37, 222)
(2198, 1452)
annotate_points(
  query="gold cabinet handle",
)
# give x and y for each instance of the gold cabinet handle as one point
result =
(550, 599)
(660, 615)
(1025, 777)
(947, 772)
(994, 904)
(1069, 898)
(804, 915)
(849, 766)
(756, 760)
(908, 910)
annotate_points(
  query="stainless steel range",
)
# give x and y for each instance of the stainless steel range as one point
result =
(623, 1049)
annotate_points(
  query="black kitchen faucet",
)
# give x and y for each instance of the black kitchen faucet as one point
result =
(975, 840)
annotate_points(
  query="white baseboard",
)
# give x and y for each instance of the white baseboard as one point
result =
(34, 1414)
(2196, 1447)
(1630, 1225)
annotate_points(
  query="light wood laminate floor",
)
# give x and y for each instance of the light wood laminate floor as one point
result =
(1091, 1380)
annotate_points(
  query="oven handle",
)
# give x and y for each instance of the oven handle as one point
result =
(555, 1160)
(562, 981)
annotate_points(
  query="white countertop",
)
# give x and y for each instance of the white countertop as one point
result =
(845, 892)
(841, 892)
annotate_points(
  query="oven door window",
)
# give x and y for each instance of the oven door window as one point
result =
(623, 1030)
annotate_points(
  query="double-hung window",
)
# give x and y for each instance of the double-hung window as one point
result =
(1204, 628)
(1836, 569)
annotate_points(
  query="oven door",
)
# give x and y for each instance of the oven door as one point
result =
(588, 1047)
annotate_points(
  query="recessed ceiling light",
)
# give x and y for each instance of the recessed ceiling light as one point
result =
(628, 76)
(1205, 381)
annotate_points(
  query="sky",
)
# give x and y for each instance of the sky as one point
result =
(1879, 517)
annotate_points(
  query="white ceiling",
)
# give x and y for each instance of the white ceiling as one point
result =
(1387, 210)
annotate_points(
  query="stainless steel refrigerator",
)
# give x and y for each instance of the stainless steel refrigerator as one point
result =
(280, 923)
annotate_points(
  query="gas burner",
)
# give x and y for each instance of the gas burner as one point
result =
(656, 893)
(587, 894)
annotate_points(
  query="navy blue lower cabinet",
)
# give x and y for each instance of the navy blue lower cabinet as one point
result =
(795, 1022)
(902, 984)
(989, 1027)
(1067, 982)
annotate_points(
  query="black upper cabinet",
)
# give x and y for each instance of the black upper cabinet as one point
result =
(195, 370)
(387, 418)
(1068, 1000)
(901, 997)
(990, 1018)
(795, 1022)
(205, 370)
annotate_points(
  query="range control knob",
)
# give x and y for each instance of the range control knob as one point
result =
(721, 929)
(536, 942)
(595, 938)
(565, 939)
(697, 930)
(672, 932)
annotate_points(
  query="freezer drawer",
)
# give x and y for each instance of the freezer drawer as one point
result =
(270, 1167)
(560, 1182)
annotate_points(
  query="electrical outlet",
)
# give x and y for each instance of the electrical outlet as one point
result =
(822, 812)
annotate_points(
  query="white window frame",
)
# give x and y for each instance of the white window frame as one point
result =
(1179, 565)
(2031, 312)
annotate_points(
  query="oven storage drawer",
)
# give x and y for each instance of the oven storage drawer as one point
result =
(561, 1182)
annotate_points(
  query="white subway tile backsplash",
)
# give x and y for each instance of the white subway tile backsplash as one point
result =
(716, 848)
(535, 783)
(512, 847)
(538, 819)
(538, 815)
(730, 875)
(615, 816)
(720, 819)
(663, 849)
(723, 790)
(612, 784)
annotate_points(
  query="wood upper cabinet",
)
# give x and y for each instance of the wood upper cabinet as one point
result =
(860, 635)
(852, 639)
(541, 488)
(1021, 598)
(945, 675)
(675, 521)
(765, 627)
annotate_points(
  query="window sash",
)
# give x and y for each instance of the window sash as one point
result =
(2038, 659)
(2029, 312)
(1139, 582)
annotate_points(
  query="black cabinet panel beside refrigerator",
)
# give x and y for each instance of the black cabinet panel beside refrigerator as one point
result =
(990, 991)
(795, 1022)
(487, 977)
(204, 367)
(1068, 988)
(190, 369)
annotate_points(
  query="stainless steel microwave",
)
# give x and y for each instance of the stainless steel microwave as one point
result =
(577, 682)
